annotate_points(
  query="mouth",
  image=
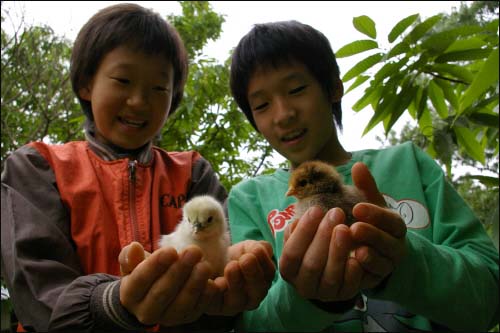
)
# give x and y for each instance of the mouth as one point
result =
(132, 122)
(293, 136)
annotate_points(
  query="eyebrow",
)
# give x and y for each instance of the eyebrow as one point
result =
(289, 77)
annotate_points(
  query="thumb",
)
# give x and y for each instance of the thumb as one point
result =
(364, 181)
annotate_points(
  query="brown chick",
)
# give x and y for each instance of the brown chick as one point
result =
(318, 183)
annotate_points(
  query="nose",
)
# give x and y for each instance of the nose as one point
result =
(138, 99)
(284, 113)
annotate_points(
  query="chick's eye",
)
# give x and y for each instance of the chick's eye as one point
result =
(303, 182)
(210, 219)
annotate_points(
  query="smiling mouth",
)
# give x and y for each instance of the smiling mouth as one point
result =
(132, 123)
(293, 135)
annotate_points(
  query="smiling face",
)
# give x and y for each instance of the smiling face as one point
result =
(294, 113)
(130, 94)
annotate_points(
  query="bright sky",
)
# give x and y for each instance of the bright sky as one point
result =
(333, 18)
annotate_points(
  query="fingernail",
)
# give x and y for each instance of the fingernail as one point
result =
(335, 216)
(315, 212)
(339, 237)
(190, 258)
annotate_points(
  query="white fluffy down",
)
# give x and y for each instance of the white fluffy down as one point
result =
(203, 224)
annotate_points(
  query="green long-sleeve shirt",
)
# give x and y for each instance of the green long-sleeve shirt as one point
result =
(448, 278)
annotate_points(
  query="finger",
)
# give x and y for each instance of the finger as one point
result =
(314, 261)
(256, 286)
(338, 253)
(352, 279)
(167, 286)
(382, 218)
(189, 304)
(289, 230)
(135, 286)
(235, 298)
(364, 181)
(372, 262)
(263, 252)
(388, 246)
(133, 257)
(216, 303)
(298, 243)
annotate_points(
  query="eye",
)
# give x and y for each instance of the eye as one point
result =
(121, 80)
(297, 90)
(302, 182)
(160, 88)
(260, 107)
(209, 219)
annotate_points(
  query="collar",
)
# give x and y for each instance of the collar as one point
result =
(143, 154)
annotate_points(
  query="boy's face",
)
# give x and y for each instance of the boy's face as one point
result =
(293, 113)
(130, 94)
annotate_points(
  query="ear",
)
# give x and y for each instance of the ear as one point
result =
(338, 90)
(84, 93)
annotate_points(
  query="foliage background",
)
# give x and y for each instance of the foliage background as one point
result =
(442, 71)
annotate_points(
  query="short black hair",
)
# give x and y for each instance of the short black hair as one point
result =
(279, 43)
(122, 24)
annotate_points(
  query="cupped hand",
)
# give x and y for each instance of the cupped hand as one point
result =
(165, 287)
(316, 257)
(247, 278)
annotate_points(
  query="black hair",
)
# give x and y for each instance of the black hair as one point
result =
(121, 24)
(278, 43)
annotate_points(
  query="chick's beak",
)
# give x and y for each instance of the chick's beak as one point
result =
(198, 226)
(290, 192)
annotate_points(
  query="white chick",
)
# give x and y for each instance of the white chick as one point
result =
(203, 224)
(318, 183)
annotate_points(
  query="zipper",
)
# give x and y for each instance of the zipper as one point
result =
(132, 166)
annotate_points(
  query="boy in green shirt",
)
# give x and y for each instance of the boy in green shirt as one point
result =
(416, 259)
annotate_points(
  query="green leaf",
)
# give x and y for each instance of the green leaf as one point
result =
(485, 119)
(457, 72)
(470, 43)
(485, 180)
(371, 94)
(362, 66)
(359, 80)
(356, 47)
(399, 48)
(471, 54)
(487, 77)
(403, 101)
(390, 69)
(383, 108)
(423, 27)
(365, 25)
(449, 92)
(425, 123)
(439, 42)
(401, 26)
(468, 141)
(437, 98)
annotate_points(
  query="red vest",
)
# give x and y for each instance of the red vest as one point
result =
(112, 203)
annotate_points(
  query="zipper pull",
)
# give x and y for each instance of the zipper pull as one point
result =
(131, 170)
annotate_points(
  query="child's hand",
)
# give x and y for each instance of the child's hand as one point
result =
(316, 257)
(383, 237)
(247, 278)
(166, 288)
(382, 232)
